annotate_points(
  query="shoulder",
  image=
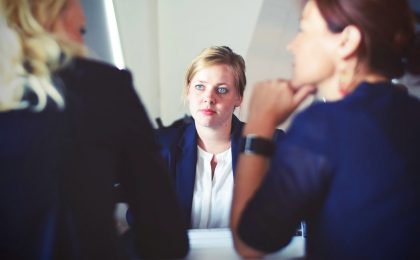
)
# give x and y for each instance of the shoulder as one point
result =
(314, 115)
(312, 126)
(168, 135)
(237, 125)
(88, 70)
(91, 65)
(173, 134)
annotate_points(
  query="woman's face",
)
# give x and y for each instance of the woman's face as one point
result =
(212, 96)
(73, 21)
(313, 49)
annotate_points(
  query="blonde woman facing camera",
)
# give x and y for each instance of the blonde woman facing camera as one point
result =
(71, 127)
(201, 155)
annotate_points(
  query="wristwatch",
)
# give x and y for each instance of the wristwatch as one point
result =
(253, 144)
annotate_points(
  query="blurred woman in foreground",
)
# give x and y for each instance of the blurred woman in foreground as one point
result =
(350, 166)
(71, 128)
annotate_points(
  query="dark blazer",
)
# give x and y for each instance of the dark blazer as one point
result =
(179, 149)
(351, 169)
(59, 168)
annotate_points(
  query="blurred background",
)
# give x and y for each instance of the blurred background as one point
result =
(157, 39)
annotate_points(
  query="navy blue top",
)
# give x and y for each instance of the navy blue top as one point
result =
(179, 149)
(58, 168)
(351, 169)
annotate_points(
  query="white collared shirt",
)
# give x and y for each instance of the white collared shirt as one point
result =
(212, 197)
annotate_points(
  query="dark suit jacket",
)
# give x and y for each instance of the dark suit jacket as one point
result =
(350, 168)
(179, 149)
(59, 167)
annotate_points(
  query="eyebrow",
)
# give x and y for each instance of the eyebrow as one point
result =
(217, 84)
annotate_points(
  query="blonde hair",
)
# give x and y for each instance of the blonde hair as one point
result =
(11, 82)
(218, 55)
(38, 52)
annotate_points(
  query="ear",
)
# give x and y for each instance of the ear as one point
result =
(350, 40)
(238, 101)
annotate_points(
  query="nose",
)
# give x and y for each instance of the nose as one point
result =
(209, 97)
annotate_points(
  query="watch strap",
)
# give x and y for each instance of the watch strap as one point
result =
(253, 144)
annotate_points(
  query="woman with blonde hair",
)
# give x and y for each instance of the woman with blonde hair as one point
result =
(71, 128)
(201, 154)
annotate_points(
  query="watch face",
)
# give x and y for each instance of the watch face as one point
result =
(252, 144)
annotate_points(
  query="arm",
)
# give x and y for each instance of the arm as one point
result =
(251, 170)
(159, 228)
(276, 100)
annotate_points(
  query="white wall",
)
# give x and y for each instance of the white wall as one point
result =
(138, 27)
(186, 27)
(160, 37)
(267, 56)
(97, 34)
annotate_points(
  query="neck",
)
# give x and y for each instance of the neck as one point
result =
(375, 78)
(214, 140)
(329, 89)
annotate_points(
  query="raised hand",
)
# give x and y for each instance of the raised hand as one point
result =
(272, 102)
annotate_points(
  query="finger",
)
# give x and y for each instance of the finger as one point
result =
(295, 87)
(302, 93)
(281, 80)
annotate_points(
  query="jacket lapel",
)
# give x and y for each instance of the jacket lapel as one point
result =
(185, 168)
(235, 139)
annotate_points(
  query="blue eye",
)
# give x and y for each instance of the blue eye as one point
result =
(199, 87)
(222, 90)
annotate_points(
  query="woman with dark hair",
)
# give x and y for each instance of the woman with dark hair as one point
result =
(349, 166)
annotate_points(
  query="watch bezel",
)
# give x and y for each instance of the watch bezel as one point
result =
(254, 144)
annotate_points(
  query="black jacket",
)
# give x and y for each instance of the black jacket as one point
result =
(178, 147)
(59, 168)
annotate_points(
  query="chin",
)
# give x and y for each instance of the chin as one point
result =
(203, 122)
(295, 83)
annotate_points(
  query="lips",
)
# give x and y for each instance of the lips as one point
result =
(208, 111)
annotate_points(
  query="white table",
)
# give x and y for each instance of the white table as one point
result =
(217, 244)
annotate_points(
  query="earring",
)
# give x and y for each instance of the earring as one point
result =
(344, 82)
